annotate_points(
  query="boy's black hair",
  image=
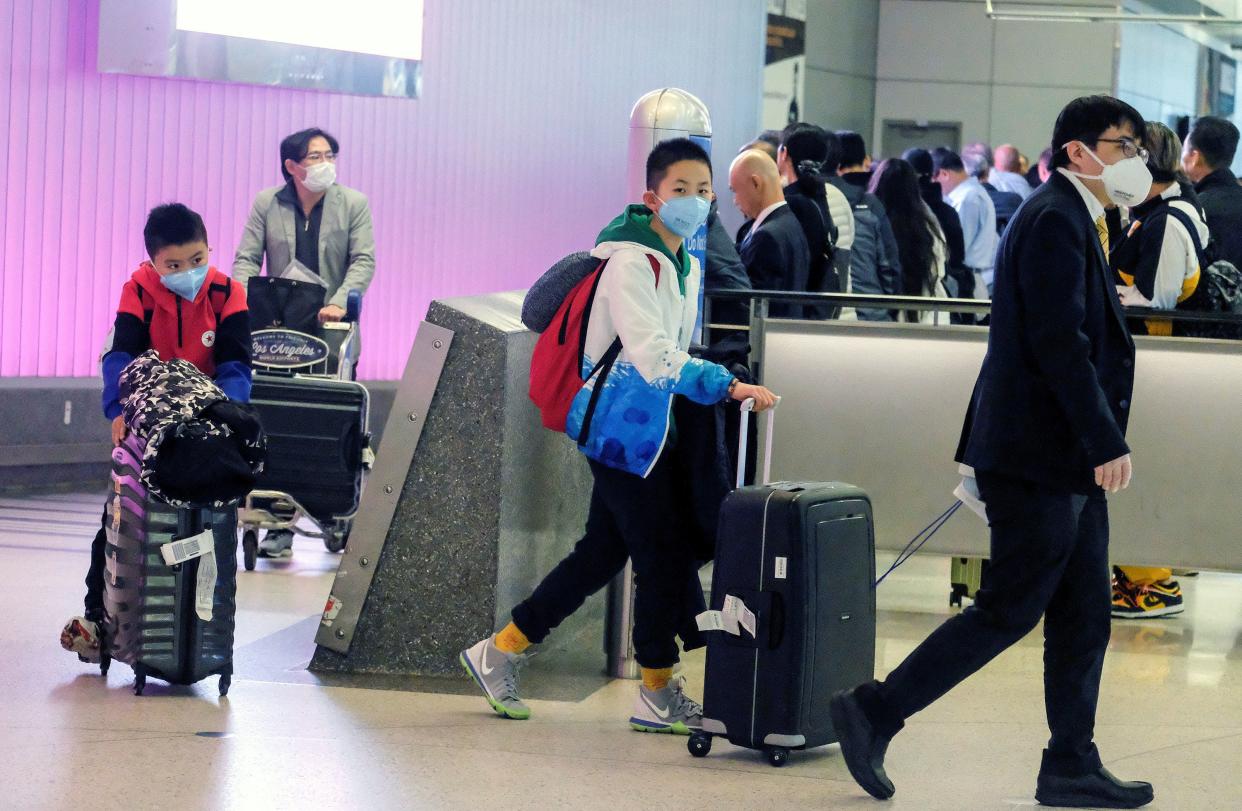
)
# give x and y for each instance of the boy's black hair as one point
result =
(172, 224)
(1216, 139)
(946, 159)
(674, 150)
(295, 147)
(1086, 118)
(853, 148)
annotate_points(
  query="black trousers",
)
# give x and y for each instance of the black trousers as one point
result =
(94, 602)
(1050, 559)
(630, 518)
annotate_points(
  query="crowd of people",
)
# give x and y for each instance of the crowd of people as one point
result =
(928, 223)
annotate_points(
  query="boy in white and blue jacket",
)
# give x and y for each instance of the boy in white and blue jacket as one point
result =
(638, 505)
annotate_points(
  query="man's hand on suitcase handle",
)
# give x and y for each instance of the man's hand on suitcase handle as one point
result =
(763, 398)
(119, 430)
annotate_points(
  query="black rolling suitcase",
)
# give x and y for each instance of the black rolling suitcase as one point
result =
(794, 606)
(170, 584)
(316, 438)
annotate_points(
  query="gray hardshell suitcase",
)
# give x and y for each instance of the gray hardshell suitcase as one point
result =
(793, 582)
(174, 622)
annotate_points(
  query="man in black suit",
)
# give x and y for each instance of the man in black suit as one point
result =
(1045, 436)
(1206, 157)
(771, 242)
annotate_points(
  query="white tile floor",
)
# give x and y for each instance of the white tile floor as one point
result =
(1171, 712)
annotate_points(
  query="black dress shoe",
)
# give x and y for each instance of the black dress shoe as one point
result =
(862, 747)
(1099, 789)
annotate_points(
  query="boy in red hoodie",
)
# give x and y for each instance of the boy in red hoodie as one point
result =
(182, 308)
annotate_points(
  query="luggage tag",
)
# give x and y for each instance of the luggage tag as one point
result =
(205, 591)
(733, 617)
(202, 545)
(196, 546)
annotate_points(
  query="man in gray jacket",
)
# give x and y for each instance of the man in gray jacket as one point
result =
(309, 225)
(312, 219)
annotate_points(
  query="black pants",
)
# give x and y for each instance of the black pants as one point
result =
(94, 603)
(638, 519)
(1050, 559)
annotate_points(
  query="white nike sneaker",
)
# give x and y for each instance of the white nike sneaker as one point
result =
(496, 673)
(669, 710)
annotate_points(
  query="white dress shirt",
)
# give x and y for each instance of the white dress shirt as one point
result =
(763, 215)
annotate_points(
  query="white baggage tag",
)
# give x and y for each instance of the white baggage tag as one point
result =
(747, 619)
(205, 593)
(731, 618)
(178, 552)
(728, 615)
(709, 621)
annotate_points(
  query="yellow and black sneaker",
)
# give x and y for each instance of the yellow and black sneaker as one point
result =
(1131, 601)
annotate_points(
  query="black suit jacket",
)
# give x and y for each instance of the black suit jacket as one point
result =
(1052, 400)
(1221, 197)
(776, 257)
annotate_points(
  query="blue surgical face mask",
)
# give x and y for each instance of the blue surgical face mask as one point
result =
(186, 283)
(684, 215)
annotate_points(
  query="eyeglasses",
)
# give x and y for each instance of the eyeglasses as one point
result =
(319, 157)
(1128, 147)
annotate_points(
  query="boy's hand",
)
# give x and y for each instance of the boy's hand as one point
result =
(764, 399)
(331, 313)
(119, 430)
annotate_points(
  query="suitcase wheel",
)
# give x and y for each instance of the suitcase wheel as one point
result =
(250, 549)
(777, 755)
(700, 744)
(335, 541)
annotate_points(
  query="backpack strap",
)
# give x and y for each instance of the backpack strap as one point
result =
(218, 294)
(603, 367)
(147, 312)
(1188, 224)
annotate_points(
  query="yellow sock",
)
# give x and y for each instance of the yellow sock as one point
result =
(656, 678)
(511, 639)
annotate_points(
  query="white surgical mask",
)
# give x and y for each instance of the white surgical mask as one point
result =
(1126, 182)
(320, 177)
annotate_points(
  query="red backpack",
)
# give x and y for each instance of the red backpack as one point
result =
(556, 365)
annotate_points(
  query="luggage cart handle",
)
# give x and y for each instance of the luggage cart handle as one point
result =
(748, 405)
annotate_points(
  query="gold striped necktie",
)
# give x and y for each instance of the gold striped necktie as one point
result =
(1101, 228)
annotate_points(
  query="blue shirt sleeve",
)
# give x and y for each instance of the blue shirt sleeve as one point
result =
(233, 378)
(113, 364)
(971, 216)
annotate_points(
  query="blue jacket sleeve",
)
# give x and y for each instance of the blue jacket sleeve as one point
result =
(113, 364)
(233, 378)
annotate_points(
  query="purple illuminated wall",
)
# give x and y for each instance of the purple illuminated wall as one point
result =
(514, 157)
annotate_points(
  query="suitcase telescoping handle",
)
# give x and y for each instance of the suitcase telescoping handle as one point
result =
(748, 405)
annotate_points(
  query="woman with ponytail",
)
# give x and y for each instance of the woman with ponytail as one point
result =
(800, 159)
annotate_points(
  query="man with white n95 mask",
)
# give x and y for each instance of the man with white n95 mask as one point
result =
(1045, 435)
